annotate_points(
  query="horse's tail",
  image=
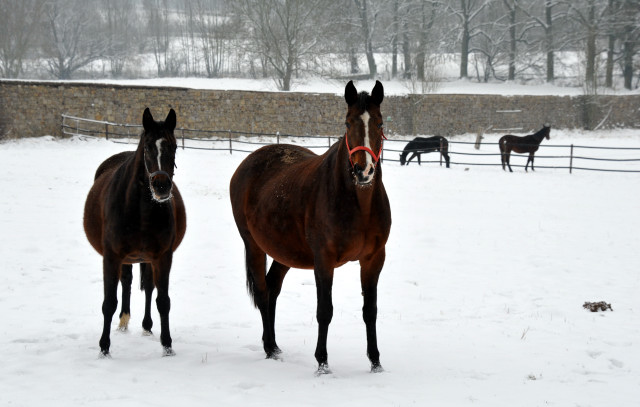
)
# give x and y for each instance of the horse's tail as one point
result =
(251, 284)
(502, 144)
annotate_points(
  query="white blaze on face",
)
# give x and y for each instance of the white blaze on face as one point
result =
(369, 166)
(159, 148)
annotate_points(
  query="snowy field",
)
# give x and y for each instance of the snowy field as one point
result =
(480, 300)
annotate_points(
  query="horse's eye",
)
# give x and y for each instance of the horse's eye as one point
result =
(347, 124)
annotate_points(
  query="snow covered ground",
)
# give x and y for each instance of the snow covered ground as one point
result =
(480, 299)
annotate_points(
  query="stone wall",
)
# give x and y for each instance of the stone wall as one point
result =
(29, 109)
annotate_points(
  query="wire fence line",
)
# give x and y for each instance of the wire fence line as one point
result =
(462, 153)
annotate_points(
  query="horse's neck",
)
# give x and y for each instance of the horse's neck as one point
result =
(137, 188)
(539, 136)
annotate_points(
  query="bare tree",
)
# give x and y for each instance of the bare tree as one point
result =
(159, 31)
(368, 18)
(283, 33)
(19, 22)
(121, 32)
(546, 15)
(590, 15)
(72, 37)
(467, 12)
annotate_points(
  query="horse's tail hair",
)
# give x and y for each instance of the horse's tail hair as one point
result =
(251, 284)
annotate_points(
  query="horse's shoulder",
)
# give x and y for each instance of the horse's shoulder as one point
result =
(113, 162)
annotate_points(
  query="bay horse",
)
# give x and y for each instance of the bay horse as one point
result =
(423, 145)
(134, 214)
(525, 144)
(316, 212)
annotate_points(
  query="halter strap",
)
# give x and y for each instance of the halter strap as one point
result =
(376, 157)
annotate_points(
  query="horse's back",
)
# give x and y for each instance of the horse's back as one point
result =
(266, 163)
(113, 162)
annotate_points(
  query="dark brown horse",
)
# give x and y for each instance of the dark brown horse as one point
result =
(525, 144)
(316, 212)
(134, 214)
(423, 145)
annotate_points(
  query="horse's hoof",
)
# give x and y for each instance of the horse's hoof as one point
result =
(274, 354)
(104, 354)
(323, 369)
(124, 322)
(376, 368)
(146, 333)
(167, 351)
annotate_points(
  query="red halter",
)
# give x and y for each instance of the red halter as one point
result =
(376, 157)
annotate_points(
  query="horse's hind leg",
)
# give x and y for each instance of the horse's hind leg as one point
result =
(369, 275)
(257, 286)
(508, 159)
(125, 311)
(146, 284)
(275, 276)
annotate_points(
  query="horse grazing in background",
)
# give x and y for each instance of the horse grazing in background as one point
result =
(525, 144)
(134, 214)
(423, 145)
(316, 212)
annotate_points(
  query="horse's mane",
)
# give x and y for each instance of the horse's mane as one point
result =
(545, 129)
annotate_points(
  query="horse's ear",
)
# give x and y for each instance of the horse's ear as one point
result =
(377, 94)
(170, 121)
(147, 120)
(350, 94)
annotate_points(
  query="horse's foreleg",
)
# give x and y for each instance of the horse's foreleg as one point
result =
(161, 270)
(274, 279)
(147, 284)
(126, 278)
(324, 312)
(530, 159)
(419, 160)
(413, 155)
(446, 157)
(369, 274)
(110, 273)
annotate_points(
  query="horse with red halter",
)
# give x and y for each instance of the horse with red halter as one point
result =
(316, 212)
(134, 214)
(525, 144)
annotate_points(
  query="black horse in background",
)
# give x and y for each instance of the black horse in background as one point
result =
(525, 144)
(420, 145)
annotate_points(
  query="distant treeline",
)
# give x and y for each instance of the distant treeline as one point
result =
(288, 39)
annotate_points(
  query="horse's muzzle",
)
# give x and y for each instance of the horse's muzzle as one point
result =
(364, 176)
(161, 185)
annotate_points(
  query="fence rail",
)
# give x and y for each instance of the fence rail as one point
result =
(247, 142)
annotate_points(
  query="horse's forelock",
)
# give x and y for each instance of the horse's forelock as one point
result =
(363, 99)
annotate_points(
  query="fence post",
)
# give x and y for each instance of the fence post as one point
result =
(441, 141)
(571, 160)
(277, 137)
(106, 130)
(230, 147)
(182, 130)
